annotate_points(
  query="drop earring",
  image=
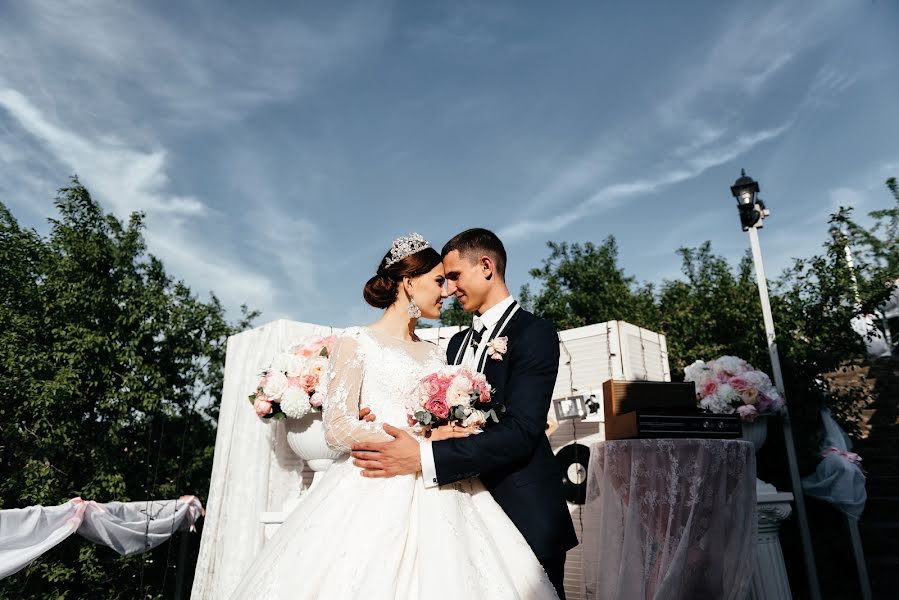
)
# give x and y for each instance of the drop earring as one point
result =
(413, 309)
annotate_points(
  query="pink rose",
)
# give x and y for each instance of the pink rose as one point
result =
(438, 408)
(483, 394)
(497, 347)
(747, 412)
(430, 385)
(262, 405)
(309, 383)
(294, 382)
(316, 400)
(739, 384)
(708, 388)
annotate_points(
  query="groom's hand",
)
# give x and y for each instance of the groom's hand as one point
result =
(388, 459)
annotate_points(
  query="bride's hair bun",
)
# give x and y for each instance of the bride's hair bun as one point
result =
(380, 291)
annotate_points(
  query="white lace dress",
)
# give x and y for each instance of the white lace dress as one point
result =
(354, 537)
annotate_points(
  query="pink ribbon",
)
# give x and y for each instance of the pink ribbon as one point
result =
(852, 457)
(194, 507)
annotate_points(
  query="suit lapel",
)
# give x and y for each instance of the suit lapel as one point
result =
(456, 358)
(501, 326)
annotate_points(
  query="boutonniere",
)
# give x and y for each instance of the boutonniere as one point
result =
(497, 347)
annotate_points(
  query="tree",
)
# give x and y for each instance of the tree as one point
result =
(109, 388)
(712, 312)
(455, 314)
(583, 284)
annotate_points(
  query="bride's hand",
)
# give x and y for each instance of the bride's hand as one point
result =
(448, 432)
(366, 415)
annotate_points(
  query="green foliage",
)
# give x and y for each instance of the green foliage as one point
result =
(713, 311)
(583, 284)
(455, 314)
(109, 387)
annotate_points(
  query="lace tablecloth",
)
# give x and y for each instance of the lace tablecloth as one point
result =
(669, 519)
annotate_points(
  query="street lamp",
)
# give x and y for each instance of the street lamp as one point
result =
(752, 209)
(752, 215)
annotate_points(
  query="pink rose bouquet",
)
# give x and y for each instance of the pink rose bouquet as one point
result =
(730, 385)
(453, 395)
(287, 387)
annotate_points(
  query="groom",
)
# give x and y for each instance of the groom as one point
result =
(519, 354)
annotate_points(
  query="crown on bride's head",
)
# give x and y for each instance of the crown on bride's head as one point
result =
(406, 246)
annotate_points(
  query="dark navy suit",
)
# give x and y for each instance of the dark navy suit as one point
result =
(513, 457)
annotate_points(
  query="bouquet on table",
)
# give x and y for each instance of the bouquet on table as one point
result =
(730, 385)
(453, 395)
(287, 387)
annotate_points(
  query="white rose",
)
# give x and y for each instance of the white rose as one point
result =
(295, 365)
(475, 418)
(281, 362)
(275, 385)
(730, 364)
(457, 396)
(695, 371)
(315, 366)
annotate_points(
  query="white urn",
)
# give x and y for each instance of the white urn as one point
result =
(306, 437)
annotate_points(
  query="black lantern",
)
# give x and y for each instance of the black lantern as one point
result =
(752, 209)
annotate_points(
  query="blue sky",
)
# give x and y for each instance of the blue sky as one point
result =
(278, 149)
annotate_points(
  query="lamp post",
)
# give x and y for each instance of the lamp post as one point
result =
(752, 215)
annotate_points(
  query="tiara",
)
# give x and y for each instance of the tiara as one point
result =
(405, 246)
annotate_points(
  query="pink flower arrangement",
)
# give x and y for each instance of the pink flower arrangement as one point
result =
(453, 395)
(287, 387)
(730, 385)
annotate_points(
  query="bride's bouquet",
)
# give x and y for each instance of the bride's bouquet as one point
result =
(287, 387)
(453, 395)
(730, 385)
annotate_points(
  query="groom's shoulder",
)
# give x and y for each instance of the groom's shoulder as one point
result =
(533, 326)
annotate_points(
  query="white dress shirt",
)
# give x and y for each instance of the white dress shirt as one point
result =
(470, 358)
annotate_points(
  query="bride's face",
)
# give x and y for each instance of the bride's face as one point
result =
(430, 292)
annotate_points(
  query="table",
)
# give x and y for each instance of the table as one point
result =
(670, 519)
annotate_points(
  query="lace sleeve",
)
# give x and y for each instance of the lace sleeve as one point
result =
(343, 385)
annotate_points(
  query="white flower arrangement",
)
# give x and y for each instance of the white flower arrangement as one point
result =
(730, 385)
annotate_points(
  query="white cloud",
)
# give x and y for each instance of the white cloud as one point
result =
(613, 194)
(126, 178)
(99, 88)
(700, 114)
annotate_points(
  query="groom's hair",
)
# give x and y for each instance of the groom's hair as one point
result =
(477, 242)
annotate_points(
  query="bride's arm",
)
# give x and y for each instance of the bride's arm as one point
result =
(342, 389)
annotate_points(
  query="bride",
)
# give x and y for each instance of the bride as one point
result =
(357, 537)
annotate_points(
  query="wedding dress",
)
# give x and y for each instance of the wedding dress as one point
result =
(356, 537)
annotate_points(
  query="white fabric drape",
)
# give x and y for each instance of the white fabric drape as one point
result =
(669, 519)
(254, 471)
(838, 479)
(126, 527)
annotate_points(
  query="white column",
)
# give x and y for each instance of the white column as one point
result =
(769, 578)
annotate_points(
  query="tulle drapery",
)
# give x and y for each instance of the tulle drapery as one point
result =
(253, 470)
(126, 527)
(839, 478)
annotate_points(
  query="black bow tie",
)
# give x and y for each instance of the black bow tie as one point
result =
(476, 334)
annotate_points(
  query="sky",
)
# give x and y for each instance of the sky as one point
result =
(277, 148)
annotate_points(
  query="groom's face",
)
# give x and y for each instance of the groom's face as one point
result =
(465, 279)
